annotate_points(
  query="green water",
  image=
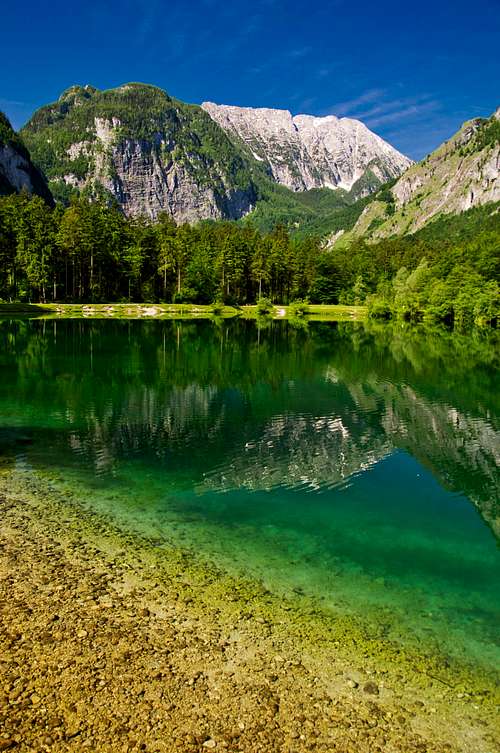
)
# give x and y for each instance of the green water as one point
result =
(354, 465)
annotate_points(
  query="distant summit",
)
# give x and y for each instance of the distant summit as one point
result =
(304, 152)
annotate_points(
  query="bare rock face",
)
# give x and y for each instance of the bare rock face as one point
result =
(146, 181)
(17, 172)
(15, 169)
(304, 152)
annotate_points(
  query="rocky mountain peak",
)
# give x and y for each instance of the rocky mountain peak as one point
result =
(140, 147)
(87, 89)
(306, 151)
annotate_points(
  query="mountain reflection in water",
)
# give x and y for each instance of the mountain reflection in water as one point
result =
(339, 459)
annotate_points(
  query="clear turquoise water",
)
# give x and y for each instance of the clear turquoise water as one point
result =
(354, 465)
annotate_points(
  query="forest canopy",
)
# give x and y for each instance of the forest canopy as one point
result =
(90, 252)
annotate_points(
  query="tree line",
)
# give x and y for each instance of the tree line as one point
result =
(448, 272)
(90, 252)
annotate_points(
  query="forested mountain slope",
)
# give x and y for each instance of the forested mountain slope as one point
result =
(148, 151)
(462, 173)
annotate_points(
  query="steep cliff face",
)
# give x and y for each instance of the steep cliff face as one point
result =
(305, 152)
(463, 173)
(148, 151)
(17, 172)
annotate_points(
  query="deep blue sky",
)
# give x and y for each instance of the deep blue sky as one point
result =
(413, 72)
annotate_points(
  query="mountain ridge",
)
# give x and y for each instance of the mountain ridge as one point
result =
(305, 151)
(462, 173)
(152, 153)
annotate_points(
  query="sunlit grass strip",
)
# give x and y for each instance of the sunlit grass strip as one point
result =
(325, 312)
(174, 310)
(117, 310)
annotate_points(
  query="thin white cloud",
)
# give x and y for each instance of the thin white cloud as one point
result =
(256, 70)
(324, 71)
(391, 105)
(12, 103)
(411, 111)
(253, 24)
(299, 52)
(374, 107)
(419, 141)
(351, 105)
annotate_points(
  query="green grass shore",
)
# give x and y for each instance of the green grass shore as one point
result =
(174, 311)
(111, 642)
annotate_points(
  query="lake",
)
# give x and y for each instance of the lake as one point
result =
(352, 464)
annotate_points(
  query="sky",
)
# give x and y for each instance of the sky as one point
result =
(412, 72)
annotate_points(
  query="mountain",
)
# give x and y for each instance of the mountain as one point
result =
(304, 152)
(154, 153)
(17, 171)
(150, 152)
(462, 173)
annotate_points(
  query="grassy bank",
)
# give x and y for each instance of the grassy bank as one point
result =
(174, 311)
(323, 312)
(116, 310)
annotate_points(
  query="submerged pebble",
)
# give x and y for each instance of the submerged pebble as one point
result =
(192, 672)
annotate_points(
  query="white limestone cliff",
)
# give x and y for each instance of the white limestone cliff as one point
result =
(146, 183)
(304, 152)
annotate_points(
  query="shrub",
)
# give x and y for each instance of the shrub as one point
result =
(264, 307)
(378, 308)
(185, 295)
(298, 308)
(217, 307)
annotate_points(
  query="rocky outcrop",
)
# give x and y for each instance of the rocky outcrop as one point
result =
(304, 152)
(17, 172)
(14, 171)
(145, 182)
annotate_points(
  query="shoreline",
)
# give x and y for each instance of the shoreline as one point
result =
(176, 311)
(112, 643)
